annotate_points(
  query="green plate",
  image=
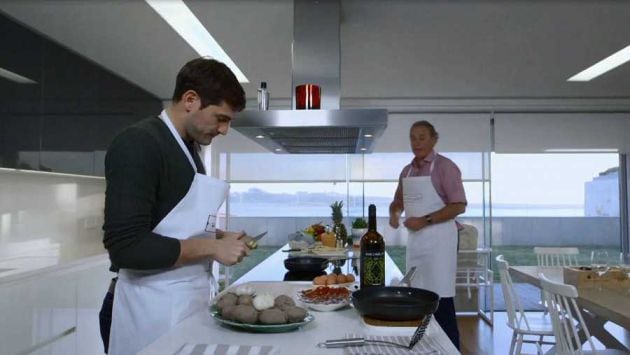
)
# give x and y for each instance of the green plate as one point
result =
(260, 328)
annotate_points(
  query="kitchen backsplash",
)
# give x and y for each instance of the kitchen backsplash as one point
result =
(49, 218)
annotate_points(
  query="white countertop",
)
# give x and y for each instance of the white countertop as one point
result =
(201, 328)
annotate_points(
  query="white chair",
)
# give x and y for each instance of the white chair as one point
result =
(532, 325)
(556, 256)
(567, 320)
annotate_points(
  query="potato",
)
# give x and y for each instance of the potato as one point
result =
(273, 316)
(228, 312)
(283, 301)
(228, 299)
(245, 313)
(295, 314)
(245, 299)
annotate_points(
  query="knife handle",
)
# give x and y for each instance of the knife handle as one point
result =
(251, 244)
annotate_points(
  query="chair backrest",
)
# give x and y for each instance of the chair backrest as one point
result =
(468, 237)
(513, 306)
(566, 318)
(556, 256)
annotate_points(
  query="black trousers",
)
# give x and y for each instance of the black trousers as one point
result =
(105, 315)
(445, 316)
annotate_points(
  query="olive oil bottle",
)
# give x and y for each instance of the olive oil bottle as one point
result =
(372, 254)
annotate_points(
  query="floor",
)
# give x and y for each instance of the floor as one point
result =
(477, 337)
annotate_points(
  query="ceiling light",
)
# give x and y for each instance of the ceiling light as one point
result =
(260, 136)
(188, 26)
(582, 150)
(278, 150)
(368, 135)
(601, 67)
(7, 74)
(363, 149)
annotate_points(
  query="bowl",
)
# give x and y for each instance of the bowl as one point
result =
(306, 264)
(330, 298)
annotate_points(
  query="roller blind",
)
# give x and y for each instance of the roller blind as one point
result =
(549, 132)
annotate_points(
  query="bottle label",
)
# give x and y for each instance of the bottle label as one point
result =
(373, 268)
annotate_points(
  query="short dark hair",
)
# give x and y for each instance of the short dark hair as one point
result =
(427, 125)
(213, 81)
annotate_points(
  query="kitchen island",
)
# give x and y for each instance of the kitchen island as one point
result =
(201, 328)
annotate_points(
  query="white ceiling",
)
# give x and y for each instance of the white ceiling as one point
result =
(389, 49)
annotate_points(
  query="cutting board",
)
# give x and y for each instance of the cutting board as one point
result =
(390, 323)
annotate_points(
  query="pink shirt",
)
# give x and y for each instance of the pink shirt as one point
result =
(446, 178)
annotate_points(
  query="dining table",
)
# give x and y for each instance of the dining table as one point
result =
(599, 304)
(199, 332)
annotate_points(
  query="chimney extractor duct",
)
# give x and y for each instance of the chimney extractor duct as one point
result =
(316, 60)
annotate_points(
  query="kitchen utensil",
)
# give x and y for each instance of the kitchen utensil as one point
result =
(342, 343)
(360, 341)
(306, 264)
(307, 97)
(252, 242)
(395, 303)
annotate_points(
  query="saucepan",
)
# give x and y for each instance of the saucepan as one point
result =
(310, 264)
(395, 303)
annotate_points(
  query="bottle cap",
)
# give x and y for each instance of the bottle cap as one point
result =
(263, 84)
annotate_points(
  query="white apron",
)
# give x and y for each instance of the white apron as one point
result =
(432, 249)
(147, 304)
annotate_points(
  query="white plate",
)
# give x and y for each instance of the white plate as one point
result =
(326, 307)
(352, 286)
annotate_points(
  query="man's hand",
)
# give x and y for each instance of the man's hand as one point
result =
(231, 248)
(395, 211)
(228, 250)
(393, 221)
(415, 223)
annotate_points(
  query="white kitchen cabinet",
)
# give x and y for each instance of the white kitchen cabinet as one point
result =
(54, 311)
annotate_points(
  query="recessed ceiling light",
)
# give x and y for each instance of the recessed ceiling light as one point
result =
(278, 150)
(363, 149)
(604, 65)
(582, 150)
(368, 135)
(260, 136)
(7, 74)
(188, 26)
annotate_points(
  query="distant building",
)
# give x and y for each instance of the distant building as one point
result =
(601, 195)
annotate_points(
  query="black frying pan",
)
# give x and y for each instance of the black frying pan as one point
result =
(310, 264)
(395, 303)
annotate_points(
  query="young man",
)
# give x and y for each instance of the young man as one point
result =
(160, 210)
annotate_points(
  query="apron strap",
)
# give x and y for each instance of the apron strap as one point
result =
(167, 120)
(430, 168)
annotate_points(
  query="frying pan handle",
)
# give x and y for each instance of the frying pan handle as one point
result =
(406, 280)
(342, 343)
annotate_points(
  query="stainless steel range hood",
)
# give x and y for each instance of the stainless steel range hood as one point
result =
(316, 60)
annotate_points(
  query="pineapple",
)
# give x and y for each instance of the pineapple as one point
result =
(337, 214)
(339, 228)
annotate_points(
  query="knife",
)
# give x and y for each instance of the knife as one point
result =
(252, 241)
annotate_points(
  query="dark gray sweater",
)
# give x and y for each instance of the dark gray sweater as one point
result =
(147, 174)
